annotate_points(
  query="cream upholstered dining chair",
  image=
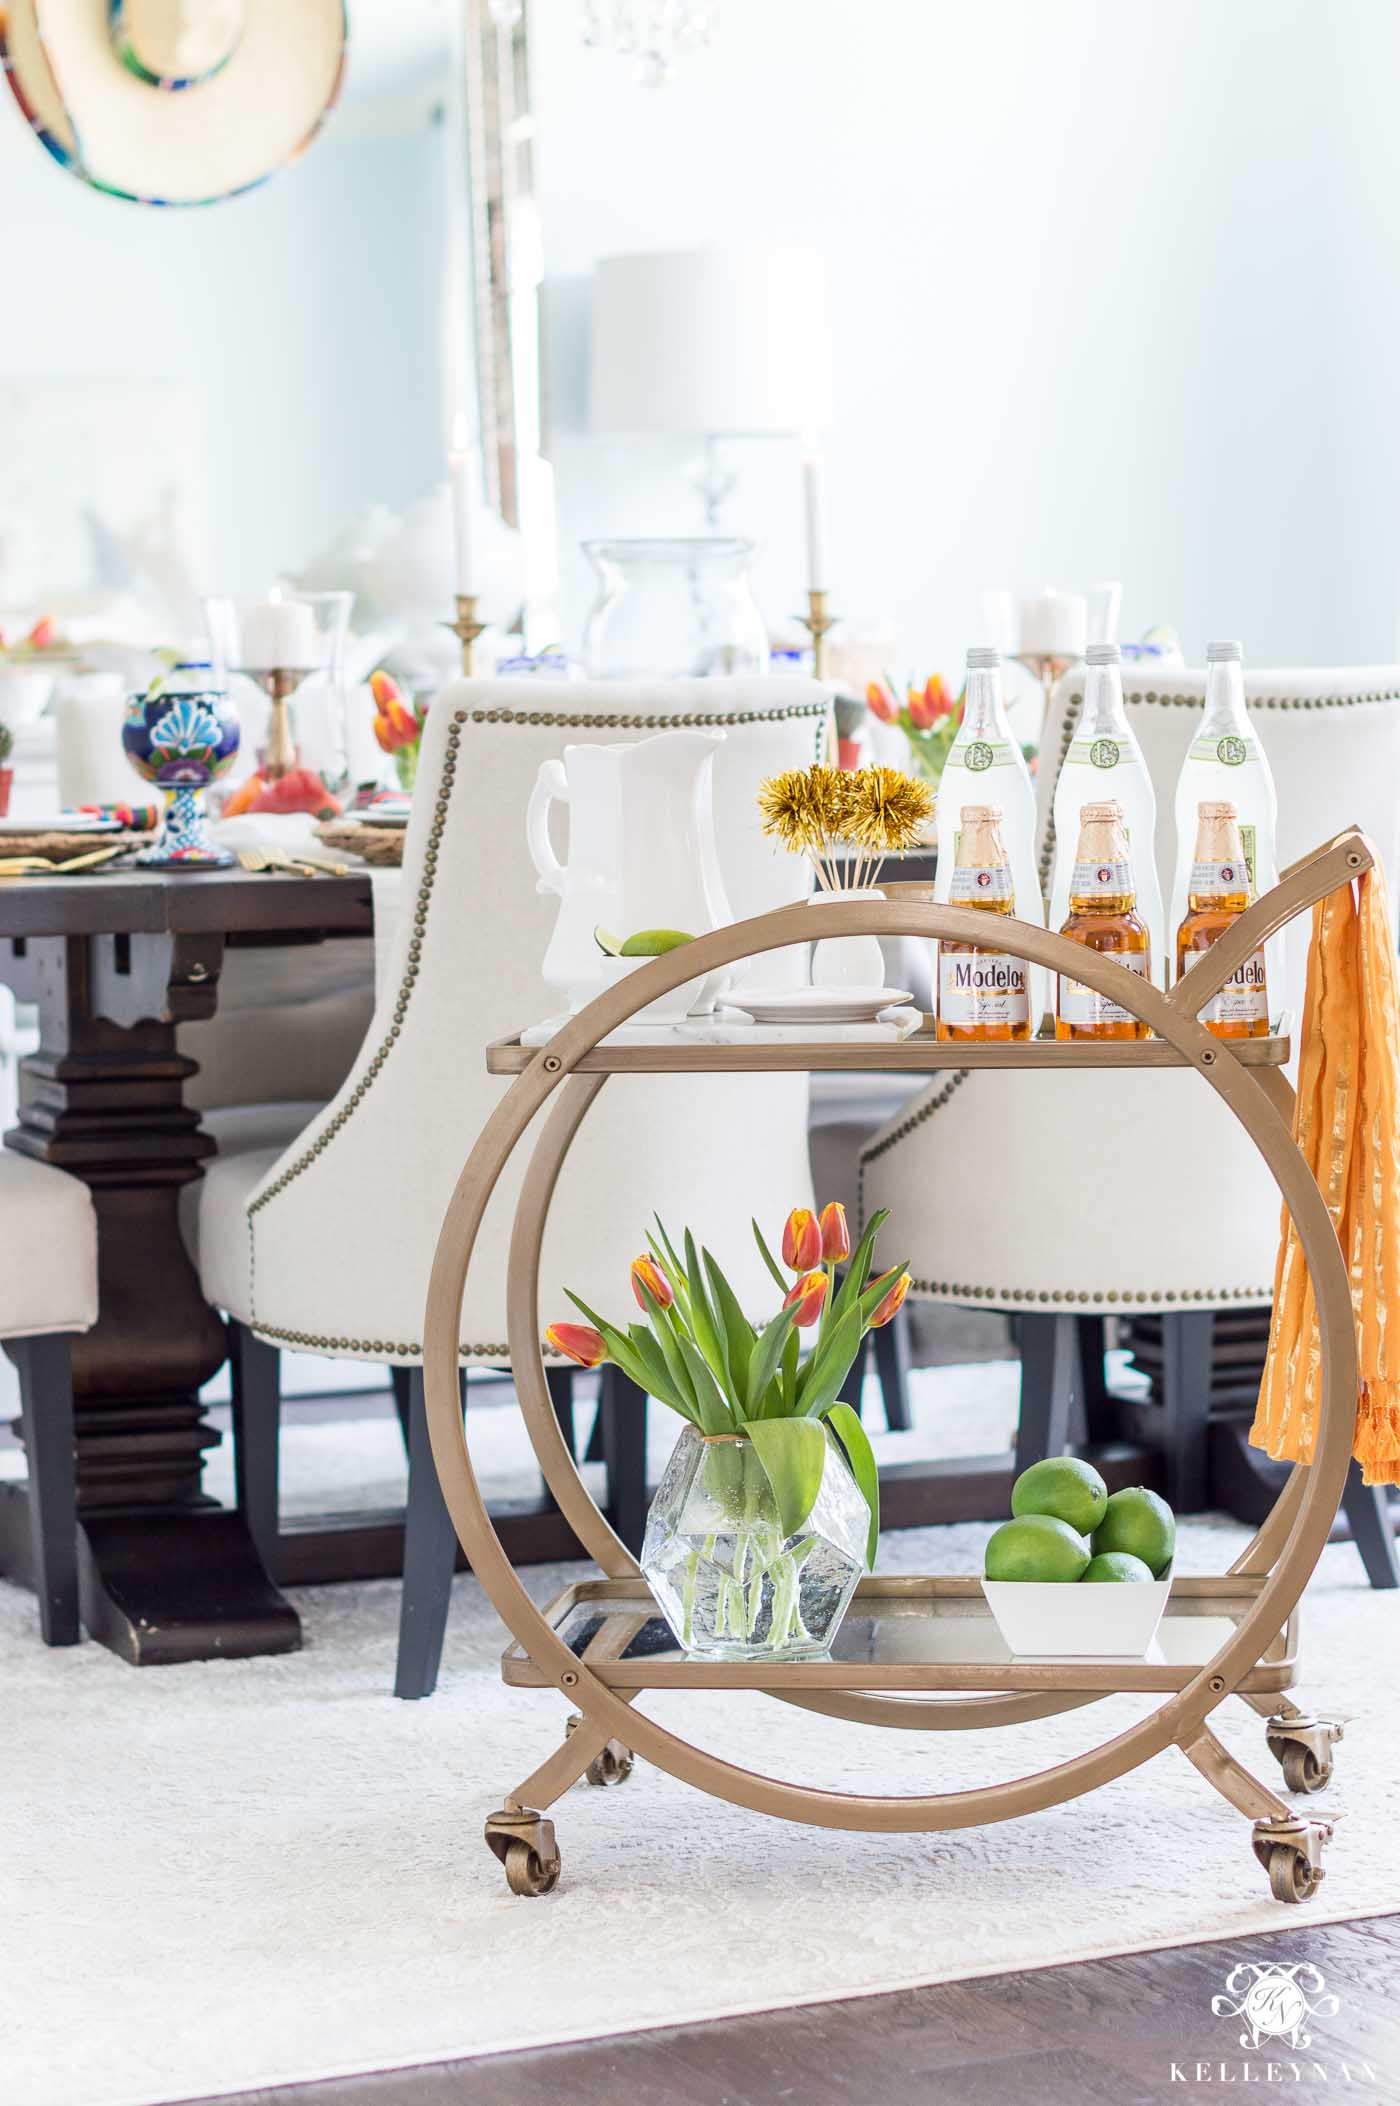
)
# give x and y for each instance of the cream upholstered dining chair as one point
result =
(1093, 1193)
(48, 1295)
(326, 1245)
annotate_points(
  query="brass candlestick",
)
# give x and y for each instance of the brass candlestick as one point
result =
(1048, 667)
(466, 629)
(816, 621)
(279, 683)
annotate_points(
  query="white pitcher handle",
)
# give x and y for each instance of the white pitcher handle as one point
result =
(551, 787)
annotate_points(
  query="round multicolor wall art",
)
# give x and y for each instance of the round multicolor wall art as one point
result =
(182, 739)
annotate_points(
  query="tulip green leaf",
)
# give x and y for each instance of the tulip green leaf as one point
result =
(821, 1379)
(854, 1441)
(793, 1455)
(738, 1331)
(707, 1329)
(763, 1365)
(769, 1260)
(715, 1415)
(858, 1269)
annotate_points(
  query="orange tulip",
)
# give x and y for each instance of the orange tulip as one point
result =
(43, 633)
(647, 1273)
(578, 1342)
(806, 1296)
(892, 1304)
(937, 697)
(802, 1240)
(881, 704)
(836, 1237)
(395, 723)
(922, 712)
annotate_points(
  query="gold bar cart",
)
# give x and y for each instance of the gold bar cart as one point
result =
(914, 1653)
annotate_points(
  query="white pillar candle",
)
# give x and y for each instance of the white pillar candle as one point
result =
(1054, 625)
(459, 460)
(277, 635)
(813, 469)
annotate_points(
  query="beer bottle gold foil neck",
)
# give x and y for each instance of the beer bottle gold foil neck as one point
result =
(1218, 833)
(980, 845)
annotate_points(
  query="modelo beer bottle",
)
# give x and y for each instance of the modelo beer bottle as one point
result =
(1103, 917)
(1104, 763)
(982, 993)
(1218, 893)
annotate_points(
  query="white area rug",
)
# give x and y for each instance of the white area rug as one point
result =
(252, 1873)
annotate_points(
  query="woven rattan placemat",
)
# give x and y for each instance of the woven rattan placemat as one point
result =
(376, 844)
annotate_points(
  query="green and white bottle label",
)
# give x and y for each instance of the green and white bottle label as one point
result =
(977, 755)
(1231, 751)
(1103, 753)
(981, 987)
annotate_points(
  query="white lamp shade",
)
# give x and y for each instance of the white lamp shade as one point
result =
(712, 341)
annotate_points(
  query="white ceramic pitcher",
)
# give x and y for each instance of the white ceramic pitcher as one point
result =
(641, 849)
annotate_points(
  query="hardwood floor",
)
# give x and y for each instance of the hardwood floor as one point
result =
(1131, 2031)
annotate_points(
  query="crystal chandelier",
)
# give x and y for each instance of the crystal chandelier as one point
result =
(652, 33)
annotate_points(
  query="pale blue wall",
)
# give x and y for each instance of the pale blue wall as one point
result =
(308, 313)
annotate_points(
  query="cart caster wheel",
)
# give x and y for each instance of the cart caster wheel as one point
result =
(1291, 1877)
(612, 1766)
(524, 1843)
(1302, 1747)
(1303, 1771)
(1291, 1849)
(527, 1872)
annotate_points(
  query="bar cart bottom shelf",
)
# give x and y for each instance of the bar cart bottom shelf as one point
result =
(924, 1653)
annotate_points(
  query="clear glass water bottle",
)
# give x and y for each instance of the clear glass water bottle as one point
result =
(1226, 763)
(1105, 762)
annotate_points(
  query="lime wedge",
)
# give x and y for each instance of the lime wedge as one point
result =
(651, 943)
(608, 943)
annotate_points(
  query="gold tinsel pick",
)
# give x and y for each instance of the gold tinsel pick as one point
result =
(885, 809)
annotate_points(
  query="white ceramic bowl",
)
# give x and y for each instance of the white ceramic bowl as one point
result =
(24, 693)
(1108, 1619)
(672, 1008)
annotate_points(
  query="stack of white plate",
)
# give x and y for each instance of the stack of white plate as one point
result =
(818, 1005)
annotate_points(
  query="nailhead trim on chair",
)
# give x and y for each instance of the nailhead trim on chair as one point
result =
(820, 711)
(1212, 1296)
(384, 1348)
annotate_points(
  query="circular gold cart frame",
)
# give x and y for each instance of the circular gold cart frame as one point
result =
(1278, 1563)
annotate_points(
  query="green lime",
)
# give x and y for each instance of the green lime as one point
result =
(1036, 1547)
(652, 943)
(1117, 1565)
(1070, 1490)
(1142, 1524)
(608, 943)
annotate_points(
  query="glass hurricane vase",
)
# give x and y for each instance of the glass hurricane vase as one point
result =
(673, 609)
(730, 1584)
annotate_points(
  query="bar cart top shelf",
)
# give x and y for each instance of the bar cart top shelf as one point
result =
(921, 1053)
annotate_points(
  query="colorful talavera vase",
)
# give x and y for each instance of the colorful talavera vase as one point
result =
(181, 736)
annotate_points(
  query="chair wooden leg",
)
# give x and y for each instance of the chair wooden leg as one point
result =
(1093, 1378)
(1368, 1510)
(429, 1559)
(623, 1413)
(852, 1390)
(892, 1366)
(256, 1374)
(1187, 1339)
(1049, 1370)
(560, 1381)
(45, 1367)
(400, 1381)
